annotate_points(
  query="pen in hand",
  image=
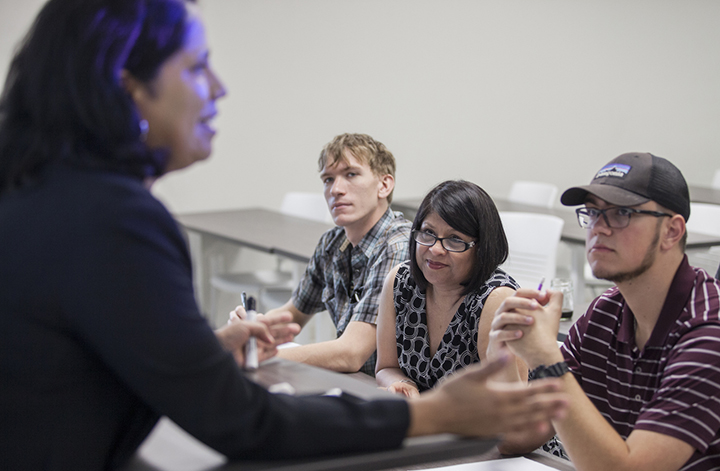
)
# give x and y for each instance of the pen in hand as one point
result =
(540, 286)
(243, 300)
(251, 351)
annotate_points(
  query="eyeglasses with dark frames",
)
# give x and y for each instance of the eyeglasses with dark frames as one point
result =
(616, 218)
(451, 244)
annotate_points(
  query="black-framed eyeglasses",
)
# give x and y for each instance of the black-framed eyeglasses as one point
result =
(451, 244)
(615, 218)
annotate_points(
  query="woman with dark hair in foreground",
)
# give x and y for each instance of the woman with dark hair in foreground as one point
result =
(99, 328)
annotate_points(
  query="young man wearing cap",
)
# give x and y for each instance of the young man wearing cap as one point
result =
(645, 357)
(347, 270)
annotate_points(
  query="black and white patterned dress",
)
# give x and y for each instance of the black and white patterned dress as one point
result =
(458, 347)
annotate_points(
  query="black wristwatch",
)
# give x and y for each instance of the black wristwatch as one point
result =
(552, 371)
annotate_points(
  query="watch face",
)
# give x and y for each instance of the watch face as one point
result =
(552, 371)
(546, 373)
(558, 369)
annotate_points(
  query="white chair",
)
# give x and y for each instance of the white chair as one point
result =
(533, 240)
(716, 180)
(306, 205)
(533, 193)
(705, 219)
(280, 282)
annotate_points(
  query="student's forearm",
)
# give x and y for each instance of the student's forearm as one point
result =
(583, 431)
(297, 317)
(387, 376)
(331, 355)
(594, 445)
(588, 438)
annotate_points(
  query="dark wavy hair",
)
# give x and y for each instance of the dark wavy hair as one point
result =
(63, 99)
(465, 207)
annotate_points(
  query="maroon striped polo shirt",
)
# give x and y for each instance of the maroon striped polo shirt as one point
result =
(672, 386)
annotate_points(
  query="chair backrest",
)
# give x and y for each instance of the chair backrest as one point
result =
(306, 205)
(704, 219)
(533, 240)
(534, 193)
(716, 180)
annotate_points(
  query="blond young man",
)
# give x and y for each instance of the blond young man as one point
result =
(346, 273)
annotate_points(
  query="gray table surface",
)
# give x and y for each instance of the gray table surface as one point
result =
(704, 194)
(170, 448)
(260, 229)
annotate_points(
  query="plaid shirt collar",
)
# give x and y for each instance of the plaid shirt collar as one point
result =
(369, 241)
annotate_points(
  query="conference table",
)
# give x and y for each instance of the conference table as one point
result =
(170, 448)
(272, 232)
(259, 229)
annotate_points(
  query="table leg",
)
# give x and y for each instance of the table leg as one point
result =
(209, 255)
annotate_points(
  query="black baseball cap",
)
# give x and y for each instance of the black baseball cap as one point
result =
(636, 178)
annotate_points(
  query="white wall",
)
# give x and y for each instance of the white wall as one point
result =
(490, 91)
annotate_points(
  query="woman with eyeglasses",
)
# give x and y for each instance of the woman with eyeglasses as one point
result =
(436, 308)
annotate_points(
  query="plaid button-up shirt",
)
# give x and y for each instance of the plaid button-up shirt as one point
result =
(349, 286)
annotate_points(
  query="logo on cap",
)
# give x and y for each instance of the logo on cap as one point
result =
(613, 170)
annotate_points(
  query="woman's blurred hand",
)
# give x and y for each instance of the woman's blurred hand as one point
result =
(405, 388)
(470, 403)
(280, 326)
(235, 335)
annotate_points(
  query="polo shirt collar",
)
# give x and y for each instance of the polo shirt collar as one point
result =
(675, 302)
(626, 334)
